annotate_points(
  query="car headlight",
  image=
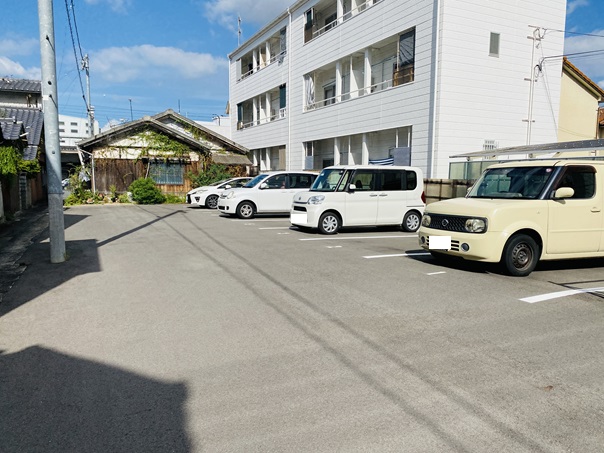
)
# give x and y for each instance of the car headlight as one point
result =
(230, 195)
(426, 220)
(476, 225)
(316, 199)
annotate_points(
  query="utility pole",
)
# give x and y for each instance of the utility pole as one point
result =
(131, 116)
(50, 107)
(89, 107)
(536, 38)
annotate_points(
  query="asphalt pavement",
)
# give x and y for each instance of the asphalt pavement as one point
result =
(172, 329)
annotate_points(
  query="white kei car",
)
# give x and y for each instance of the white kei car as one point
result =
(208, 195)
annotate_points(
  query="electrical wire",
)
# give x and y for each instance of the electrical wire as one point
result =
(75, 53)
(75, 24)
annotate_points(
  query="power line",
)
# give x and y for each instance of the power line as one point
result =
(75, 53)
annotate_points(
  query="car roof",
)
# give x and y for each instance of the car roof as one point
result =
(546, 163)
(372, 167)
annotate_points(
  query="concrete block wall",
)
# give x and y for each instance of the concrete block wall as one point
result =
(443, 189)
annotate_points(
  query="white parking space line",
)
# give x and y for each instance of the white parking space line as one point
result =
(343, 238)
(264, 220)
(372, 257)
(274, 228)
(558, 294)
(436, 273)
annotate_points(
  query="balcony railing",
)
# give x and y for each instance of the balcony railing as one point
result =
(275, 58)
(315, 31)
(280, 114)
(403, 76)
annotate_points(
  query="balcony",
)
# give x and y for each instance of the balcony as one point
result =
(273, 50)
(263, 109)
(371, 70)
(328, 14)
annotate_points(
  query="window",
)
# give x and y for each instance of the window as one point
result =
(299, 181)
(74, 131)
(308, 25)
(363, 179)
(404, 69)
(74, 124)
(277, 182)
(167, 172)
(329, 94)
(581, 179)
(494, 45)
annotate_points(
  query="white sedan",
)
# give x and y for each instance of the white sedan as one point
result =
(208, 195)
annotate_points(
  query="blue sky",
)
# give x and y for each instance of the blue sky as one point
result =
(159, 54)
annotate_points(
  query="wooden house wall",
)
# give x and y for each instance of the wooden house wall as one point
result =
(122, 172)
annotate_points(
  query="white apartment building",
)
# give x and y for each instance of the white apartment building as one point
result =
(355, 81)
(73, 129)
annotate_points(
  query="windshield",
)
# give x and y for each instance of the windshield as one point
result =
(511, 182)
(328, 180)
(256, 181)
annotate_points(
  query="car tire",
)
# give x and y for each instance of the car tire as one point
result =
(412, 221)
(520, 255)
(212, 202)
(329, 223)
(246, 210)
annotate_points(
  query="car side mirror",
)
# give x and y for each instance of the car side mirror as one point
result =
(352, 187)
(564, 192)
(264, 186)
(228, 186)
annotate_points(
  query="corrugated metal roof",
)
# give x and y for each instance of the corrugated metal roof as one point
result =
(32, 119)
(579, 145)
(22, 85)
(231, 159)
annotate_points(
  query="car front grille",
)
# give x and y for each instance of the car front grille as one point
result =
(448, 222)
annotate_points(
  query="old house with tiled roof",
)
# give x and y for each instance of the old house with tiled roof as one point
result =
(166, 147)
(21, 109)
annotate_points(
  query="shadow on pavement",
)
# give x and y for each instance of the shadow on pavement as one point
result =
(52, 402)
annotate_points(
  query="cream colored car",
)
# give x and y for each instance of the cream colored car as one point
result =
(521, 212)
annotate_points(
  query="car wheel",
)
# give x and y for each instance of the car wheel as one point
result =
(411, 221)
(329, 223)
(520, 255)
(212, 202)
(246, 210)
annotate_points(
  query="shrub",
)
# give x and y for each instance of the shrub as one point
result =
(213, 173)
(144, 192)
(123, 198)
(174, 199)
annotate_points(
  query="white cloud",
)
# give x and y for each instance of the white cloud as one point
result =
(225, 12)
(147, 62)
(18, 47)
(120, 6)
(13, 69)
(592, 64)
(572, 5)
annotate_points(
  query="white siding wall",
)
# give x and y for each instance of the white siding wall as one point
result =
(484, 97)
(478, 97)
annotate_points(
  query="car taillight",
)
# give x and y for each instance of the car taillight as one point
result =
(424, 197)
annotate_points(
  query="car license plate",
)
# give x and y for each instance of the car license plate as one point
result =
(298, 217)
(440, 243)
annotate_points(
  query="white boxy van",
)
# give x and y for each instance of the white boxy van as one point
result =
(518, 213)
(267, 193)
(361, 195)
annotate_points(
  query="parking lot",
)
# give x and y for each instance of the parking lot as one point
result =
(179, 329)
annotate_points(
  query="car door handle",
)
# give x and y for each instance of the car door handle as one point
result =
(383, 195)
(373, 195)
(596, 209)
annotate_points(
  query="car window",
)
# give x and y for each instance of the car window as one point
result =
(345, 181)
(277, 182)
(582, 179)
(363, 179)
(240, 183)
(511, 182)
(300, 181)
